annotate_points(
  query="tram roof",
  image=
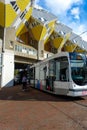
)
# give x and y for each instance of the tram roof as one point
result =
(51, 57)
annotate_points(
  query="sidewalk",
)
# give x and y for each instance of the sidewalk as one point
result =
(13, 93)
(23, 110)
(36, 110)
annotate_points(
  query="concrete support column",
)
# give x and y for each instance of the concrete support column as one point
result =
(7, 78)
(7, 74)
(41, 50)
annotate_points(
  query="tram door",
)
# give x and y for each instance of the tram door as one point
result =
(62, 75)
(32, 76)
(51, 74)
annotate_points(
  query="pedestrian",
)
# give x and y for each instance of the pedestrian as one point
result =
(47, 83)
(24, 82)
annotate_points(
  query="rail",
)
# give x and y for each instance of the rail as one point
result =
(25, 51)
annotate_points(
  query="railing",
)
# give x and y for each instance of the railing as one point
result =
(24, 50)
(28, 51)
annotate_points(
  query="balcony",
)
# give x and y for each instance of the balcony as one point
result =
(29, 52)
(25, 51)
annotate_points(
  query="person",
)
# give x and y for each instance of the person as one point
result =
(24, 82)
(47, 83)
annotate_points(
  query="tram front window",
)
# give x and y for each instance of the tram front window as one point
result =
(78, 69)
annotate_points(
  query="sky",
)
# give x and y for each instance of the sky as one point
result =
(72, 13)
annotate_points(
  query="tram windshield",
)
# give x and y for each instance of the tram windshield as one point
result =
(78, 68)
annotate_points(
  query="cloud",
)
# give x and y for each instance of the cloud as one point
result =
(68, 12)
(79, 29)
(63, 9)
(37, 1)
(75, 12)
(60, 6)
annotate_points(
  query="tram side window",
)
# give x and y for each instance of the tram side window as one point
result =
(52, 68)
(62, 73)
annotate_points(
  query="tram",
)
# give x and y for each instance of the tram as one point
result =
(63, 73)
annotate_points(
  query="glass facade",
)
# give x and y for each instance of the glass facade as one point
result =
(25, 50)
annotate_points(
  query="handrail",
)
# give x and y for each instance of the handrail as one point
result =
(21, 49)
(25, 49)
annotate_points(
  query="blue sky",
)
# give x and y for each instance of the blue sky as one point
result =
(72, 13)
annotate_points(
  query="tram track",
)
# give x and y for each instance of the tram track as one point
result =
(80, 101)
(77, 101)
(41, 110)
(69, 116)
(80, 104)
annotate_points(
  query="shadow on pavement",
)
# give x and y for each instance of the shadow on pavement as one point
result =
(32, 94)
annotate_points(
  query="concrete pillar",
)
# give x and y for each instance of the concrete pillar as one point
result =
(7, 78)
(7, 74)
(41, 50)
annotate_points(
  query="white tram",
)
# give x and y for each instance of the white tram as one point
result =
(61, 74)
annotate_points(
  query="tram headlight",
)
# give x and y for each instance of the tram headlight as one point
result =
(74, 85)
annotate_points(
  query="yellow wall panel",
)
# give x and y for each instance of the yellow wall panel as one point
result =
(24, 30)
(18, 32)
(24, 37)
(51, 30)
(28, 14)
(22, 4)
(57, 42)
(79, 51)
(43, 33)
(70, 48)
(52, 24)
(37, 30)
(2, 14)
(10, 15)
